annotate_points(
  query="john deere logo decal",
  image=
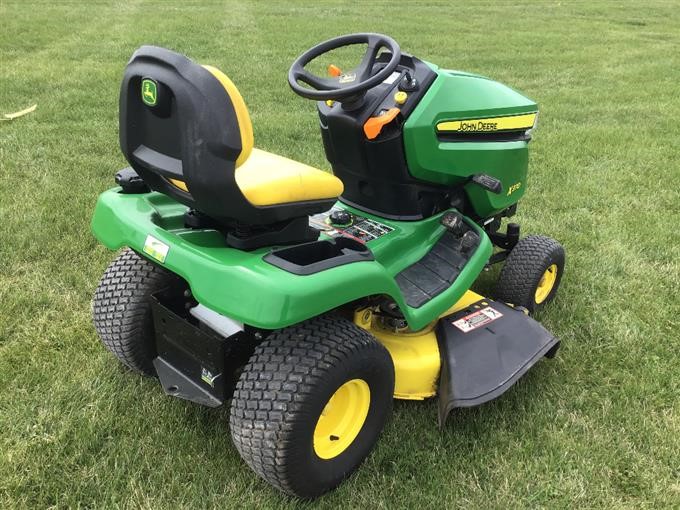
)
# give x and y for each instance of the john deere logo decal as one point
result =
(347, 78)
(149, 92)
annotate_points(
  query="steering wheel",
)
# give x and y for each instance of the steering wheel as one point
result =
(352, 84)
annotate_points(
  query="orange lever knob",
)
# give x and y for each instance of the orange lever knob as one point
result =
(334, 70)
(374, 125)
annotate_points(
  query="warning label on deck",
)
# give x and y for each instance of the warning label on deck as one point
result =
(477, 319)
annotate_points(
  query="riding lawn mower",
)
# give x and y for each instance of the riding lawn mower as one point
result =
(308, 300)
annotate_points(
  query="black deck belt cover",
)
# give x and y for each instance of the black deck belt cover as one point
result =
(485, 349)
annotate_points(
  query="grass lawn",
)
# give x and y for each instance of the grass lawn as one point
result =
(597, 427)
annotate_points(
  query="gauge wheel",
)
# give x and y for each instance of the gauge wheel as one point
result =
(532, 273)
(311, 404)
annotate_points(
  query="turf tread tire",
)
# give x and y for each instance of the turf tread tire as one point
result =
(122, 311)
(274, 400)
(524, 268)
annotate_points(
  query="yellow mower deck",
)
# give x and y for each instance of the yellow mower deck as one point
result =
(490, 344)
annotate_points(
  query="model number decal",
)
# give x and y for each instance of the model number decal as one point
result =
(514, 188)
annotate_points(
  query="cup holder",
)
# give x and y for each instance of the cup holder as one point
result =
(310, 258)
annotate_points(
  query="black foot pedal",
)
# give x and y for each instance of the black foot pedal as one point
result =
(485, 349)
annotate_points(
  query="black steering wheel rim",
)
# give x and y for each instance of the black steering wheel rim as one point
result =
(357, 81)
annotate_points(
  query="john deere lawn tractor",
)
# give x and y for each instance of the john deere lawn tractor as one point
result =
(308, 300)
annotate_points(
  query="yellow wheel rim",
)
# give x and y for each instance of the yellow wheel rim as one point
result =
(342, 419)
(545, 286)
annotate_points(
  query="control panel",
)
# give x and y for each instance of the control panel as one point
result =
(364, 143)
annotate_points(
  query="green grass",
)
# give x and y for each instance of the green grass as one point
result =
(597, 427)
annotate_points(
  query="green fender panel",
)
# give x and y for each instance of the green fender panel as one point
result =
(241, 285)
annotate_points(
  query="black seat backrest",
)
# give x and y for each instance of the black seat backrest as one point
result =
(180, 131)
(184, 128)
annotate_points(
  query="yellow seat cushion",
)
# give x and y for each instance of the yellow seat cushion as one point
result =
(265, 178)
(268, 179)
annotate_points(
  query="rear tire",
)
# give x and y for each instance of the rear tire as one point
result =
(311, 403)
(532, 273)
(121, 309)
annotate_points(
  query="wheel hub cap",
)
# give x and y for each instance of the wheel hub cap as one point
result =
(342, 419)
(546, 284)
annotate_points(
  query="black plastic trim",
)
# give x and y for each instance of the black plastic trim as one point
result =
(310, 258)
(293, 231)
(375, 172)
(438, 269)
(188, 351)
(483, 363)
(497, 136)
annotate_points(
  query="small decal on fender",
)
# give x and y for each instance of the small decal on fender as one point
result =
(156, 249)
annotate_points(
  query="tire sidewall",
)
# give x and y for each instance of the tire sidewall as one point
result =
(320, 474)
(121, 309)
(524, 268)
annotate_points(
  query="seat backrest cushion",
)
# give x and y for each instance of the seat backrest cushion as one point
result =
(242, 116)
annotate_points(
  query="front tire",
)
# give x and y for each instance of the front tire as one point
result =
(121, 309)
(532, 273)
(311, 404)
